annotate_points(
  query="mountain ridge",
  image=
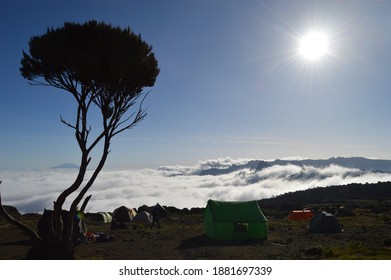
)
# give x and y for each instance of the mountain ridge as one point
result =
(65, 166)
(362, 163)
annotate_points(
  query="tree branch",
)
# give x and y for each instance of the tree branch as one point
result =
(67, 123)
(27, 230)
(84, 205)
(76, 201)
(139, 117)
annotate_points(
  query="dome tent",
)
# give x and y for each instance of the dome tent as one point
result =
(325, 223)
(143, 217)
(124, 214)
(103, 217)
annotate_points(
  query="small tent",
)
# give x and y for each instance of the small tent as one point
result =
(12, 211)
(143, 217)
(344, 212)
(235, 221)
(325, 223)
(103, 217)
(162, 212)
(124, 214)
(300, 215)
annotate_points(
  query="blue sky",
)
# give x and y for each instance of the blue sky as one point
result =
(231, 83)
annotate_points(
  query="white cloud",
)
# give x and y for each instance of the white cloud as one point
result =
(32, 191)
(221, 163)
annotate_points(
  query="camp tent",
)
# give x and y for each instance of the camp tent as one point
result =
(344, 212)
(324, 223)
(12, 211)
(162, 211)
(300, 215)
(234, 220)
(124, 214)
(103, 217)
(143, 217)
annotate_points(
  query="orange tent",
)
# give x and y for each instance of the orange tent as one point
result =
(300, 215)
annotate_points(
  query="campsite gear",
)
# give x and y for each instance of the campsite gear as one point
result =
(124, 214)
(103, 237)
(300, 215)
(235, 221)
(325, 223)
(89, 236)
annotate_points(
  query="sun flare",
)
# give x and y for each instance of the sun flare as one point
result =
(314, 46)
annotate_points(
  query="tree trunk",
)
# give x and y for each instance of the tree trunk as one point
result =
(45, 249)
(58, 223)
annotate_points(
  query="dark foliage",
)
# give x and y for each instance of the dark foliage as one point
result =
(92, 54)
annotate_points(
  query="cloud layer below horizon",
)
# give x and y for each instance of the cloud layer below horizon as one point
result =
(179, 186)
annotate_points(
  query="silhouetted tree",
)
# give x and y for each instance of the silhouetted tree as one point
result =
(100, 65)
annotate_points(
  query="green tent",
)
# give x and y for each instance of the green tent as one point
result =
(235, 220)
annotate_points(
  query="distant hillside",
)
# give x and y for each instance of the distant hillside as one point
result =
(351, 162)
(379, 192)
(365, 164)
(235, 167)
(66, 166)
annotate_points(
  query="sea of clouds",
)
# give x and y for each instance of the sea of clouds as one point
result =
(179, 186)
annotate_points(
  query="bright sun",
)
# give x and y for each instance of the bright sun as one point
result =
(314, 46)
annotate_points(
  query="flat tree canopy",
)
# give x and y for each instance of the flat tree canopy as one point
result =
(94, 55)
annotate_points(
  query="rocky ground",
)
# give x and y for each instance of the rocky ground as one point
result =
(366, 235)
